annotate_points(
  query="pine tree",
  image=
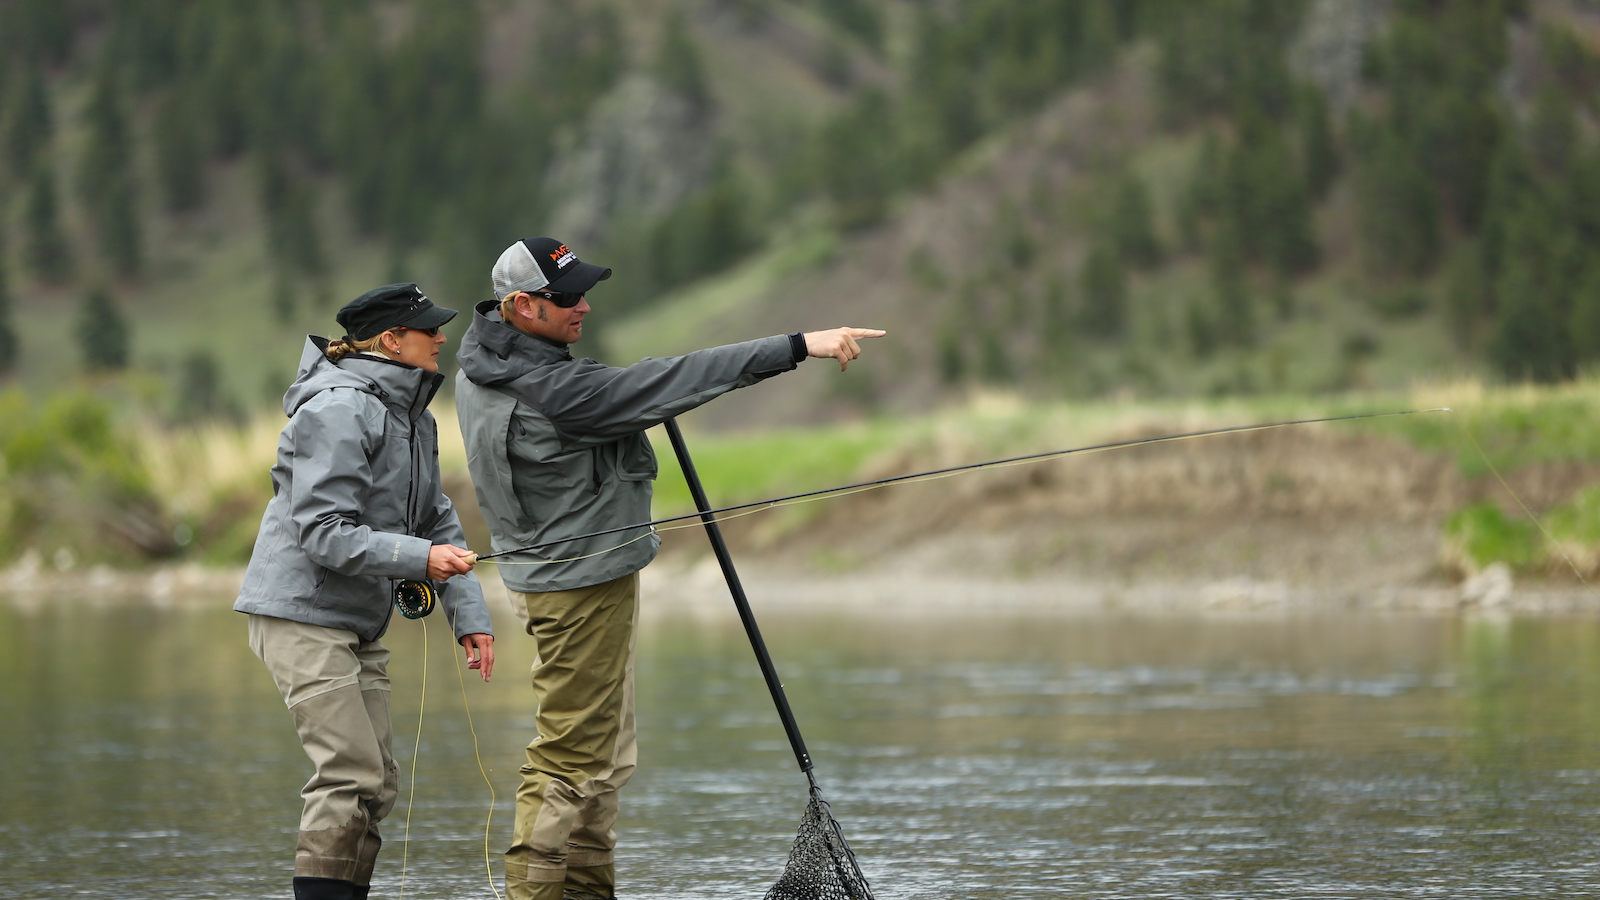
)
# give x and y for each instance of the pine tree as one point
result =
(1105, 293)
(48, 254)
(200, 394)
(106, 175)
(679, 67)
(27, 124)
(854, 162)
(1468, 300)
(102, 333)
(1530, 340)
(8, 333)
(120, 232)
(1532, 291)
(293, 239)
(1398, 204)
(1131, 227)
(1319, 150)
(1235, 322)
(1585, 319)
(180, 151)
(857, 17)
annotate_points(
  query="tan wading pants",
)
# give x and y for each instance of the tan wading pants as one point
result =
(585, 751)
(337, 690)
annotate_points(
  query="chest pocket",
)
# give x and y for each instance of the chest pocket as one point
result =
(636, 459)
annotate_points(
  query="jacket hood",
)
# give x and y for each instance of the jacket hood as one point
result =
(405, 389)
(493, 352)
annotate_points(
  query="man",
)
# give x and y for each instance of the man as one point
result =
(556, 447)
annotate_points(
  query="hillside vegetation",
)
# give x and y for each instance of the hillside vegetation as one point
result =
(1062, 197)
(1121, 214)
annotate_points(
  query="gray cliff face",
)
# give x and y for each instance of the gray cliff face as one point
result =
(644, 150)
(1331, 42)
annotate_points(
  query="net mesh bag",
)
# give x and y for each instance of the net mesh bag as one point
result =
(821, 866)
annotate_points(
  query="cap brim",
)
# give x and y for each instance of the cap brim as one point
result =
(432, 317)
(582, 277)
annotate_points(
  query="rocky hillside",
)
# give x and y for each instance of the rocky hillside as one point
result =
(1057, 197)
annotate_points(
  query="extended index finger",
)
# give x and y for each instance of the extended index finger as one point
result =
(864, 332)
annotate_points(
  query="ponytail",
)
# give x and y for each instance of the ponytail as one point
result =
(339, 348)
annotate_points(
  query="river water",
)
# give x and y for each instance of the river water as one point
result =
(147, 755)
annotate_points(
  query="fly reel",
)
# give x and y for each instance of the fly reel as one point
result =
(415, 599)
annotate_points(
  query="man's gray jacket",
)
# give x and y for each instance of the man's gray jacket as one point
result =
(556, 445)
(356, 502)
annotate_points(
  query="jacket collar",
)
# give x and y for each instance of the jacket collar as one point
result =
(492, 352)
(404, 389)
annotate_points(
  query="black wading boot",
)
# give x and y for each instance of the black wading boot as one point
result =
(306, 888)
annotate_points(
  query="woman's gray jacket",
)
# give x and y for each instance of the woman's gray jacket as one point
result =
(356, 502)
(556, 445)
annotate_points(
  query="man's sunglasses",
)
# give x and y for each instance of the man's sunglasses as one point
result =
(560, 298)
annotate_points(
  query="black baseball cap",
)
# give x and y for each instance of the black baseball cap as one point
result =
(390, 306)
(543, 264)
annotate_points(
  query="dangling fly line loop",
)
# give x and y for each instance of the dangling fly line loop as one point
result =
(1560, 548)
(416, 751)
(405, 847)
(488, 867)
(744, 509)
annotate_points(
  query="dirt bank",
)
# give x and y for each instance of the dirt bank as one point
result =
(1272, 520)
(1287, 517)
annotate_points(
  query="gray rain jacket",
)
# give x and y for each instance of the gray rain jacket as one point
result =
(356, 502)
(556, 445)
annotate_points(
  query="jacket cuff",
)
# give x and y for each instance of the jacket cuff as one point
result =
(410, 556)
(464, 603)
(797, 347)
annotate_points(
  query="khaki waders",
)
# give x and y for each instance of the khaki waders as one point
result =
(337, 690)
(585, 750)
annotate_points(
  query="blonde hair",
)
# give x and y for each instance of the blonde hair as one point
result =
(339, 348)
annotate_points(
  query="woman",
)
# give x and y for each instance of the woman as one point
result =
(356, 508)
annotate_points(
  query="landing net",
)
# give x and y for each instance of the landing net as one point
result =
(821, 866)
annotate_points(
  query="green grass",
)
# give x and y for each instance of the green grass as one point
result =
(744, 468)
(1506, 428)
(1482, 534)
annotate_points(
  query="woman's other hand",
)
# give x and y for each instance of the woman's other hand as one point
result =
(480, 652)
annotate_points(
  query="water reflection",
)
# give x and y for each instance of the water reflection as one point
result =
(147, 755)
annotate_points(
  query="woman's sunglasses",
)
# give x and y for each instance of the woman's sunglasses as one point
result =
(430, 332)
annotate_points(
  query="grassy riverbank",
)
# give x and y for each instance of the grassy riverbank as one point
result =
(86, 482)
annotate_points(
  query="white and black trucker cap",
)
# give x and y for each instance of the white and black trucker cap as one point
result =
(540, 264)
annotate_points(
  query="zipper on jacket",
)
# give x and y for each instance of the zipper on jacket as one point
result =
(411, 488)
(594, 465)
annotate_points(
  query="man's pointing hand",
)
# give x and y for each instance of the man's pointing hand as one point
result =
(839, 343)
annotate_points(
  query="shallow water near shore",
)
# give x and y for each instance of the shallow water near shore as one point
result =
(968, 755)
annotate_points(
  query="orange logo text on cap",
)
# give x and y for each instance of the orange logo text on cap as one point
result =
(563, 257)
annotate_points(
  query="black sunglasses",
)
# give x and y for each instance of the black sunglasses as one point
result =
(430, 332)
(561, 298)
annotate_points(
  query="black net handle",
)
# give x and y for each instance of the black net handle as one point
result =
(725, 559)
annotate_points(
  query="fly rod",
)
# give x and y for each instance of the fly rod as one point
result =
(932, 473)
